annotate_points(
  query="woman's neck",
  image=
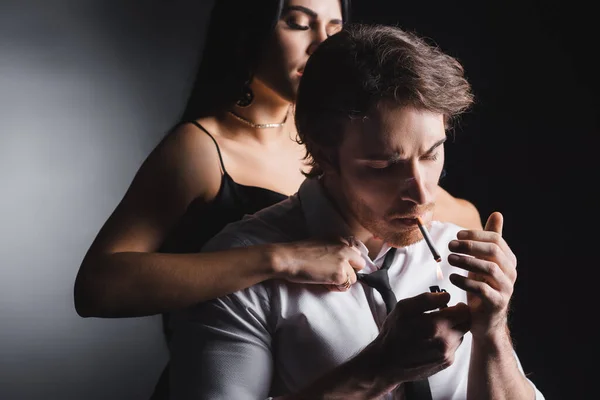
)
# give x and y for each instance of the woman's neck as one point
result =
(266, 108)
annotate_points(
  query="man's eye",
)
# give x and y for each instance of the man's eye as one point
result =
(382, 165)
(431, 157)
(378, 166)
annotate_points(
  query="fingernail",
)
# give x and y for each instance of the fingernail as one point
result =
(453, 258)
(453, 244)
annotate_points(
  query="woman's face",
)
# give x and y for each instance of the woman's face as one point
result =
(304, 24)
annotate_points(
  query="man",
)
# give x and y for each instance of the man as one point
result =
(373, 110)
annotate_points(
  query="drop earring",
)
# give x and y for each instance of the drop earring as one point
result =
(247, 96)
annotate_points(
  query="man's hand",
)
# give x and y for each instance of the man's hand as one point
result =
(492, 275)
(413, 343)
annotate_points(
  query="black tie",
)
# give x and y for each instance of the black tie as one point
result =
(380, 281)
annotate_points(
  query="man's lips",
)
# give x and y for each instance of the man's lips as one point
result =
(410, 221)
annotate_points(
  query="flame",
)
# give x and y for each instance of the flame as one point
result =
(438, 272)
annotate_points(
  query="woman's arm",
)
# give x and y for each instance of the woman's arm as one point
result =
(130, 284)
(122, 275)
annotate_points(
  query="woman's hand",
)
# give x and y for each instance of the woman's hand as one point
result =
(332, 263)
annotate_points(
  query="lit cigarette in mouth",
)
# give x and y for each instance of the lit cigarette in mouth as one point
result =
(434, 252)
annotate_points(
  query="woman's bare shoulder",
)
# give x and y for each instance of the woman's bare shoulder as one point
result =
(456, 210)
(186, 160)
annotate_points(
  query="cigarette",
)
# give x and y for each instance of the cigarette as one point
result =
(434, 252)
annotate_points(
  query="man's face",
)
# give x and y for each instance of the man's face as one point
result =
(389, 167)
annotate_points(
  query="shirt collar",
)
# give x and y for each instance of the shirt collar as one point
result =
(323, 219)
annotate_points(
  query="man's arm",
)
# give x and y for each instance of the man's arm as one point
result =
(222, 350)
(496, 373)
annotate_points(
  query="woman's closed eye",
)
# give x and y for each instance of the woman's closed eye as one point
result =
(298, 23)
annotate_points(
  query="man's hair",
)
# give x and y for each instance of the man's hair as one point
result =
(362, 66)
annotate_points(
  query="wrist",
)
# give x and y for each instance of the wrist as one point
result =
(278, 260)
(357, 379)
(374, 372)
(494, 342)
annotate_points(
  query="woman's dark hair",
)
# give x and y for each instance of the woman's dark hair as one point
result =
(237, 33)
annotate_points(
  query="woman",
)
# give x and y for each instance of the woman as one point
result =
(234, 152)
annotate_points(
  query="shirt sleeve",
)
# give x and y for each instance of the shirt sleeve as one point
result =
(221, 349)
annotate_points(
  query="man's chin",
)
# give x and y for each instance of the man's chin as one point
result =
(401, 237)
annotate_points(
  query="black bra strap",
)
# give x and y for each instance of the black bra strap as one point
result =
(215, 142)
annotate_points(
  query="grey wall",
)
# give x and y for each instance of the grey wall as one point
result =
(87, 88)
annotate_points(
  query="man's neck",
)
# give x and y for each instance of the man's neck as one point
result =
(371, 242)
(374, 245)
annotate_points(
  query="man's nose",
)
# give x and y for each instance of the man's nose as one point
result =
(415, 188)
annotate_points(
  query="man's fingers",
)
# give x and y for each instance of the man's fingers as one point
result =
(458, 316)
(495, 222)
(423, 302)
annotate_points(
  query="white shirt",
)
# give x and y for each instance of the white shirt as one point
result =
(276, 337)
